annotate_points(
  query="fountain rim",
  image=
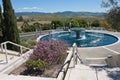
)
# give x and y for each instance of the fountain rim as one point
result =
(77, 29)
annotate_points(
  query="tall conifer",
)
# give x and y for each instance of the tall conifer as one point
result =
(11, 31)
(1, 25)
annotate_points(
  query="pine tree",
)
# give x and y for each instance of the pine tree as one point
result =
(11, 31)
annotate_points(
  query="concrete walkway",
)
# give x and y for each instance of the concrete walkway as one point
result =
(82, 72)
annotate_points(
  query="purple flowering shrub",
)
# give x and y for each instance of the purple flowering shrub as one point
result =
(51, 52)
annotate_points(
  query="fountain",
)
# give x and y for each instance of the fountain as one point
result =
(78, 31)
(81, 37)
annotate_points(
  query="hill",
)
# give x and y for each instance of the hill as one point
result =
(68, 13)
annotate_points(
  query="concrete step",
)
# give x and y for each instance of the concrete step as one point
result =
(9, 52)
(81, 66)
(81, 72)
(95, 61)
(20, 77)
(9, 57)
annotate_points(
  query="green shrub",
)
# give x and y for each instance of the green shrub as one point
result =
(20, 31)
(46, 27)
(30, 28)
(57, 24)
(36, 64)
(29, 42)
(95, 23)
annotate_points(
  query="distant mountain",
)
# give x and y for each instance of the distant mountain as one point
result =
(68, 13)
(30, 13)
(80, 13)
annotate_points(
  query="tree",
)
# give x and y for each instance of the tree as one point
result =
(113, 14)
(29, 28)
(95, 23)
(110, 3)
(57, 23)
(73, 23)
(38, 26)
(25, 24)
(113, 18)
(11, 31)
(46, 27)
(1, 25)
(105, 24)
(82, 23)
(20, 18)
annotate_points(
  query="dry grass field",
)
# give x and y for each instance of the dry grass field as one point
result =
(46, 19)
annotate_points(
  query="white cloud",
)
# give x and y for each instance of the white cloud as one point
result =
(29, 9)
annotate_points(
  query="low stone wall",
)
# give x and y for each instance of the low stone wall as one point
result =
(113, 61)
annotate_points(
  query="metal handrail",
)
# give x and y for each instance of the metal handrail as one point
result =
(65, 67)
(75, 55)
(62, 68)
(14, 44)
(4, 48)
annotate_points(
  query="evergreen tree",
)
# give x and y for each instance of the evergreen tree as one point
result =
(1, 25)
(11, 31)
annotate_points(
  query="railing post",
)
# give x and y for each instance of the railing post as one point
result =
(76, 52)
(21, 51)
(6, 53)
(74, 55)
(2, 47)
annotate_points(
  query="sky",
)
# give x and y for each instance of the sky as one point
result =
(57, 5)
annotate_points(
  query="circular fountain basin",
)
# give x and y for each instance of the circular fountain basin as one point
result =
(92, 39)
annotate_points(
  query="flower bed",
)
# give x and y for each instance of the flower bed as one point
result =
(46, 59)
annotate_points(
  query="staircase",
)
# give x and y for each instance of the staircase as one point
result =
(7, 53)
(9, 60)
